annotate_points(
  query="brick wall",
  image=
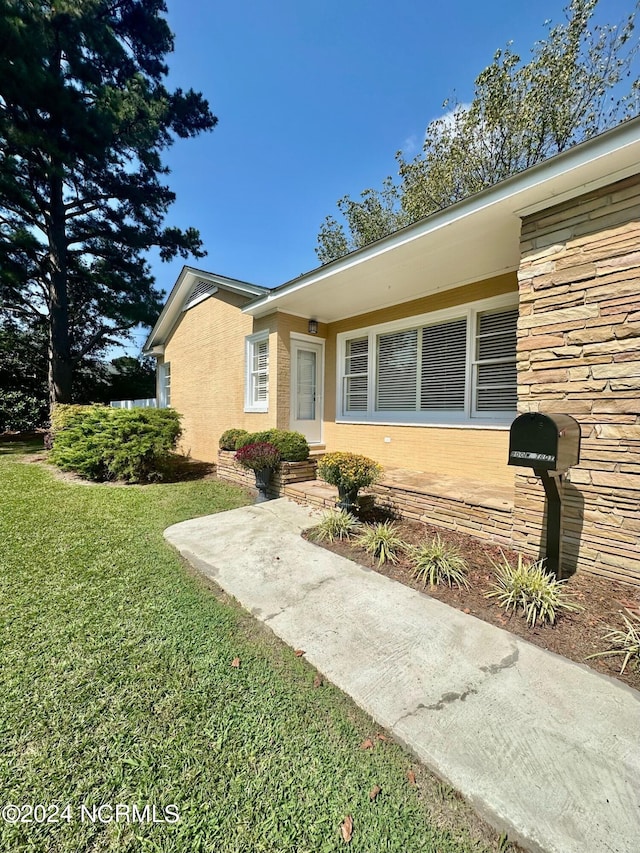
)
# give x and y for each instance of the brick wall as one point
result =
(463, 451)
(206, 352)
(579, 353)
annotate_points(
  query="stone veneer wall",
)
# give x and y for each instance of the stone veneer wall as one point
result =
(457, 507)
(579, 353)
(285, 473)
(491, 520)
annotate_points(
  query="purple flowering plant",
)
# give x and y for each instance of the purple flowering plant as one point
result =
(257, 456)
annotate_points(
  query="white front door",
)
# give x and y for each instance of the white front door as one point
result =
(307, 362)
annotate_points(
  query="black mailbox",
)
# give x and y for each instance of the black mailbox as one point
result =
(550, 444)
(544, 442)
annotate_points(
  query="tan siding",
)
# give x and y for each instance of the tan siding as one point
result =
(579, 353)
(475, 453)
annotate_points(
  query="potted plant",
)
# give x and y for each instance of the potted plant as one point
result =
(261, 458)
(349, 472)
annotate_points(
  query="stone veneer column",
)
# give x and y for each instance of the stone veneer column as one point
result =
(579, 353)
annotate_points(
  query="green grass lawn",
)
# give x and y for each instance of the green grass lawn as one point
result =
(117, 687)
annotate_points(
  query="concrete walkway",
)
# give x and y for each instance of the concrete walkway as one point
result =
(544, 748)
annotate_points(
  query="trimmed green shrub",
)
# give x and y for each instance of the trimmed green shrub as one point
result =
(230, 437)
(67, 414)
(100, 443)
(293, 446)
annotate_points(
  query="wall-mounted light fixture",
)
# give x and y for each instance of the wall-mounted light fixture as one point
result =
(313, 327)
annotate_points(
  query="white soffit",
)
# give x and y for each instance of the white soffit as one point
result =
(473, 240)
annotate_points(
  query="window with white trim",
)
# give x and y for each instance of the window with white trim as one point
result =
(164, 385)
(447, 367)
(257, 372)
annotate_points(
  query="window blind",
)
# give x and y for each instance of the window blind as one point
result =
(496, 381)
(260, 371)
(444, 356)
(356, 375)
(396, 387)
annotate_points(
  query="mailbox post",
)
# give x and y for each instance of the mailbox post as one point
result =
(550, 444)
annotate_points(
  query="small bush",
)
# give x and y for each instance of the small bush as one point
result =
(229, 438)
(436, 562)
(258, 456)
(20, 412)
(529, 588)
(334, 525)
(293, 446)
(100, 443)
(349, 471)
(382, 541)
(624, 642)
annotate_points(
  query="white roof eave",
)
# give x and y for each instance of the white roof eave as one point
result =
(179, 293)
(469, 241)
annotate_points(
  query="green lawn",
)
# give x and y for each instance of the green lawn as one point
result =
(117, 687)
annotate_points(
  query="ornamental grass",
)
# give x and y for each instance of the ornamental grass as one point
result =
(335, 525)
(383, 541)
(527, 587)
(436, 562)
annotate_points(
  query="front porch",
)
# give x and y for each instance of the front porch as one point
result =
(467, 506)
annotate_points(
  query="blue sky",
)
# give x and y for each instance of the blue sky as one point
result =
(313, 101)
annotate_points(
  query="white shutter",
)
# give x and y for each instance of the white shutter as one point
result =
(396, 386)
(164, 385)
(495, 376)
(444, 357)
(356, 375)
(260, 371)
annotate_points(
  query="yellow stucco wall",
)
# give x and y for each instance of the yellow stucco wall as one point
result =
(475, 452)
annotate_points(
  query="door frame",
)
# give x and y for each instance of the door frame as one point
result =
(298, 337)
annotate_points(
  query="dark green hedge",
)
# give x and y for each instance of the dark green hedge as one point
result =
(293, 446)
(21, 412)
(230, 438)
(100, 443)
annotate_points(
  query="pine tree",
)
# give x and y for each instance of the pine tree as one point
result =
(84, 119)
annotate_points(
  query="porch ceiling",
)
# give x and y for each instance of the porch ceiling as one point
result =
(454, 254)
